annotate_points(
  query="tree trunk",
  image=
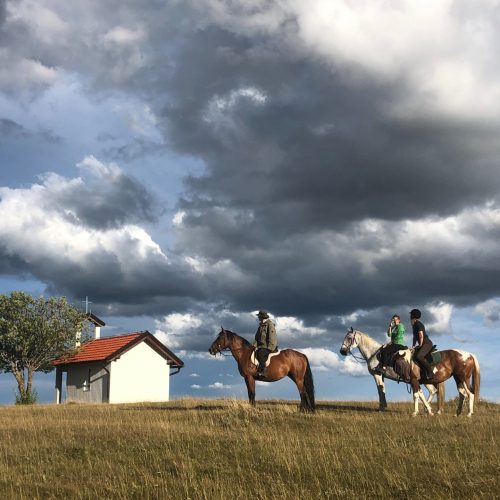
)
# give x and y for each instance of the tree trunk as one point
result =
(29, 384)
(19, 374)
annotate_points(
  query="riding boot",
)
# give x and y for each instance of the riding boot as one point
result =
(261, 369)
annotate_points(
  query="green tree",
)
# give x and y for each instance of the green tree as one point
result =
(33, 332)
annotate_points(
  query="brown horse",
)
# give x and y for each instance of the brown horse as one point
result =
(461, 365)
(288, 363)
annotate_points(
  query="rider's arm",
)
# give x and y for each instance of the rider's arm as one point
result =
(420, 338)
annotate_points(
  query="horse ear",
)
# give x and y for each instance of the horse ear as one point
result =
(222, 328)
(352, 329)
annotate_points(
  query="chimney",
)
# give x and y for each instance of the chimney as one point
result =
(98, 323)
(78, 339)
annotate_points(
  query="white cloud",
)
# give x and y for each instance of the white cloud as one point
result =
(184, 354)
(24, 73)
(290, 327)
(193, 375)
(140, 119)
(195, 386)
(47, 25)
(36, 227)
(124, 36)
(172, 329)
(220, 113)
(444, 52)
(441, 313)
(99, 169)
(325, 360)
(179, 217)
(490, 310)
(219, 385)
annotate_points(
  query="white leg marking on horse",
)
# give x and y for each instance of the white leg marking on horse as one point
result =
(427, 406)
(471, 404)
(415, 402)
(432, 391)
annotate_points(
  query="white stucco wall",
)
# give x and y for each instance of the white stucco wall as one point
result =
(140, 374)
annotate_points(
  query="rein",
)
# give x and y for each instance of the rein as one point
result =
(358, 359)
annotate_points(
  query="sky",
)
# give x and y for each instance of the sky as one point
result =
(186, 163)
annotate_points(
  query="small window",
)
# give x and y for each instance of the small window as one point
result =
(86, 383)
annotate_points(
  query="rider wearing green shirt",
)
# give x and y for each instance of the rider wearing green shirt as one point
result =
(396, 331)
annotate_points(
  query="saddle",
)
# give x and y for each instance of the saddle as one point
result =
(434, 357)
(402, 361)
(255, 361)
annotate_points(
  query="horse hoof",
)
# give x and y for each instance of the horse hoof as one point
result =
(469, 415)
(414, 414)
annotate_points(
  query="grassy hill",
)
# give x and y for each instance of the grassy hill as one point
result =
(225, 449)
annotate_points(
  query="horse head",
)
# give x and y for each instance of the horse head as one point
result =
(220, 343)
(350, 342)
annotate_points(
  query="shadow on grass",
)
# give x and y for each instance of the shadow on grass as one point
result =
(348, 408)
(175, 408)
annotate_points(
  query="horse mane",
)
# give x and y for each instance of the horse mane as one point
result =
(368, 337)
(232, 334)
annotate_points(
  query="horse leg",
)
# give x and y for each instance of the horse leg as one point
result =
(418, 395)
(250, 382)
(471, 396)
(304, 400)
(427, 406)
(440, 397)
(432, 392)
(415, 404)
(382, 402)
(461, 399)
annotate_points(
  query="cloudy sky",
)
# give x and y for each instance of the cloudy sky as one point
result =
(186, 163)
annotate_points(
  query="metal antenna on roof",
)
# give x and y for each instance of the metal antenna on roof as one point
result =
(87, 302)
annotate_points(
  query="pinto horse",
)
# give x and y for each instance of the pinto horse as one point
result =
(369, 348)
(288, 363)
(461, 365)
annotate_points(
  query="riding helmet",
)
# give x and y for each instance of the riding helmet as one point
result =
(415, 314)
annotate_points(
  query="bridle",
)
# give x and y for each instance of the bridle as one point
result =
(218, 347)
(352, 339)
(220, 350)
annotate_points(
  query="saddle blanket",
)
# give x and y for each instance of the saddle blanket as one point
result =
(254, 360)
(434, 357)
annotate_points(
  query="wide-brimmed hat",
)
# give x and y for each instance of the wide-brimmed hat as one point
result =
(262, 314)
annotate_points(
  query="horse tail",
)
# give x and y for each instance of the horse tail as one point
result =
(309, 386)
(476, 378)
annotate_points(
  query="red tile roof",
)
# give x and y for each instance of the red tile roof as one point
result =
(110, 348)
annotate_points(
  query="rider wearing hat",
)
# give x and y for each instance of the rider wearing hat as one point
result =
(421, 342)
(265, 340)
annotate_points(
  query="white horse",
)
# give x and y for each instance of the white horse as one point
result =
(369, 348)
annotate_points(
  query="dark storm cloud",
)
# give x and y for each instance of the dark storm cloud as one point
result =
(107, 202)
(11, 128)
(297, 155)
(318, 154)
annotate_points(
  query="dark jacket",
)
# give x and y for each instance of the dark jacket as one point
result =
(266, 336)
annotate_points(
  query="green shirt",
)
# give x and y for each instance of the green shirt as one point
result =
(397, 334)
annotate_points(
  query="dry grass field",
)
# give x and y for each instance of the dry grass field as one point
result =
(225, 449)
